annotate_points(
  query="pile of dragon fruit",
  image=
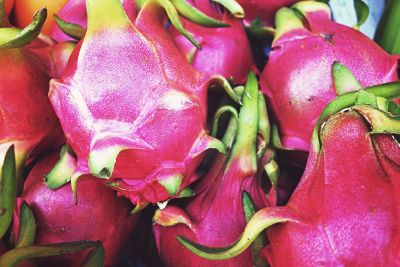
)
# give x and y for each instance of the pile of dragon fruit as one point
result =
(198, 133)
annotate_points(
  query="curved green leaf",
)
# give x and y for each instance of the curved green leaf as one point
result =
(26, 35)
(362, 12)
(13, 257)
(73, 30)
(8, 190)
(27, 227)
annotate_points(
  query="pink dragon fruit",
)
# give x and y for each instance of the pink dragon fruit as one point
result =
(27, 118)
(263, 9)
(74, 11)
(53, 56)
(218, 45)
(298, 77)
(206, 217)
(131, 106)
(345, 210)
(106, 218)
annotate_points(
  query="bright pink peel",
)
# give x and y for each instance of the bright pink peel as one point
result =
(298, 77)
(154, 138)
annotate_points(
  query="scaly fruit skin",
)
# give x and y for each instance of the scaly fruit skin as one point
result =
(98, 215)
(27, 117)
(298, 76)
(263, 9)
(345, 210)
(225, 51)
(24, 9)
(215, 218)
(216, 215)
(131, 105)
(347, 202)
(74, 11)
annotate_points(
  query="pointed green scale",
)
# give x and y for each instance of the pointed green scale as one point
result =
(219, 113)
(172, 184)
(261, 241)
(380, 121)
(62, 170)
(388, 90)
(102, 161)
(105, 14)
(257, 30)
(273, 172)
(257, 224)
(17, 255)
(186, 192)
(233, 7)
(248, 206)
(27, 227)
(362, 12)
(344, 79)
(224, 84)
(275, 137)
(305, 7)
(196, 16)
(172, 216)
(139, 207)
(73, 30)
(286, 21)
(8, 190)
(264, 126)
(214, 143)
(15, 38)
(244, 148)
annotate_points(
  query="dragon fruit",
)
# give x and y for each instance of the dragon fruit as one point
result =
(107, 218)
(218, 45)
(131, 106)
(263, 9)
(205, 218)
(74, 11)
(27, 118)
(298, 77)
(53, 56)
(346, 206)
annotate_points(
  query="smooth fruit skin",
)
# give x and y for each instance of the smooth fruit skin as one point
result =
(27, 117)
(98, 215)
(130, 95)
(225, 51)
(298, 76)
(24, 10)
(347, 204)
(9, 6)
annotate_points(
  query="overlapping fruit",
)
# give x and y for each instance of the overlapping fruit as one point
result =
(151, 133)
